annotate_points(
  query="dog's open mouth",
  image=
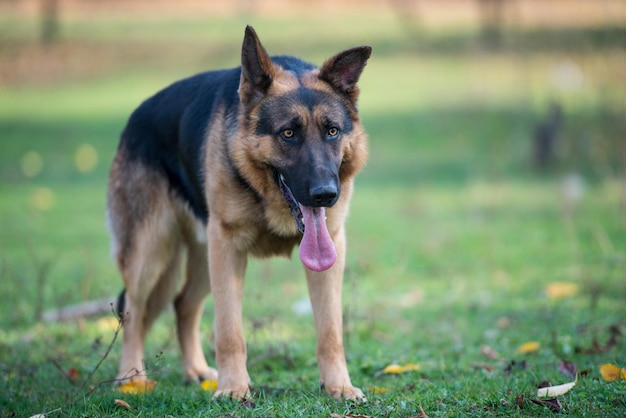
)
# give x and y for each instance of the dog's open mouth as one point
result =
(317, 250)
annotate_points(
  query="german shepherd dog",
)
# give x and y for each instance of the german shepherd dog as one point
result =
(250, 160)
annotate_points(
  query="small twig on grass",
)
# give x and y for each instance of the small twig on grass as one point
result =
(80, 310)
(106, 354)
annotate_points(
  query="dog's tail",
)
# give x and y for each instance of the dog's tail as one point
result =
(121, 304)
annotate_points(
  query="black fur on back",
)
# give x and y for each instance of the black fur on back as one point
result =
(167, 131)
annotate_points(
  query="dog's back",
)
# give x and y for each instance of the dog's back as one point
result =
(167, 131)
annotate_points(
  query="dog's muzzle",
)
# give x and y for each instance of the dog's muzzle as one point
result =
(317, 249)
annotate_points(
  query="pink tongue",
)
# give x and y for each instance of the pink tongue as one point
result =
(317, 250)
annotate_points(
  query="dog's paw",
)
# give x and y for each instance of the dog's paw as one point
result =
(200, 375)
(346, 392)
(238, 393)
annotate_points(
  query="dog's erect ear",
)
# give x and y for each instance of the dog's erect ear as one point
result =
(257, 69)
(344, 69)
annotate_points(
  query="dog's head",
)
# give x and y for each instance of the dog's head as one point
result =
(303, 125)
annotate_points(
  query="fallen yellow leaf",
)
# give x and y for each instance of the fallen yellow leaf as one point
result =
(529, 347)
(396, 368)
(560, 290)
(611, 372)
(209, 385)
(137, 387)
(376, 389)
(411, 367)
(393, 369)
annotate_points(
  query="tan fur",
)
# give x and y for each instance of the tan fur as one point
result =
(154, 232)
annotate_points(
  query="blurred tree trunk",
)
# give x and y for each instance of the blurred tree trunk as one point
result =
(492, 17)
(49, 21)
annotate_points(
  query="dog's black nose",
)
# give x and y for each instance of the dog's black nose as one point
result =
(324, 194)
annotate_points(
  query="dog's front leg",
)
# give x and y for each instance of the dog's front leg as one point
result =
(325, 292)
(227, 267)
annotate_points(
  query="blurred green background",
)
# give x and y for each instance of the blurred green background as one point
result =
(498, 153)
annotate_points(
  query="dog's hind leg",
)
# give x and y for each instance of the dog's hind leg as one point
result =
(147, 247)
(151, 276)
(189, 306)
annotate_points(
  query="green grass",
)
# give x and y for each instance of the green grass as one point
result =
(453, 236)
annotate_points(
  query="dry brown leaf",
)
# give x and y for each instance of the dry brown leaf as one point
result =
(504, 322)
(483, 366)
(489, 352)
(421, 414)
(333, 415)
(615, 333)
(72, 374)
(515, 365)
(568, 368)
(122, 404)
(553, 404)
(248, 403)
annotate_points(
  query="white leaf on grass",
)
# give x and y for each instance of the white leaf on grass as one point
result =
(552, 391)
(122, 403)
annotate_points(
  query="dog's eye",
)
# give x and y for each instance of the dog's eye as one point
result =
(332, 133)
(287, 133)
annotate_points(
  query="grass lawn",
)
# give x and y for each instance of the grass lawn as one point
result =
(460, 250)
